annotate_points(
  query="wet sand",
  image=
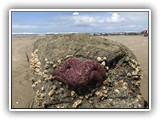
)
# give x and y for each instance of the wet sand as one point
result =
(22, 93)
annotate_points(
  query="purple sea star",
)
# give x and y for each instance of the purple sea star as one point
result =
(74, 72)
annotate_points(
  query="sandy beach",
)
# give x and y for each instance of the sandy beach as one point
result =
(22, 93)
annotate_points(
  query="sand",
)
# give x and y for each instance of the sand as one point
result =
(22, 92)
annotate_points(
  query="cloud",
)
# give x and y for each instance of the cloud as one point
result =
(115, 18)
(84, 20)
(75, 13)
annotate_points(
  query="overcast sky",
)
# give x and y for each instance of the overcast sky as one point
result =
(51, 22)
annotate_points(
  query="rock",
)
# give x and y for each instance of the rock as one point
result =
(119, 90)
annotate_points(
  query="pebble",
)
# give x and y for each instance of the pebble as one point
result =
(67, 56)
(73, 93)
(105, 82)
(54, 87)
(104, 58)
(125, 87)
(51, 92)
(32, 54)
(42, 89)
(90, 101)
(37, 70)
(116, 91)
(59, 61)
(36, 51)
(81, 97)
(51, 63)
(45, 71)
(125, 84)
(129, 74)
(45, 76)
(76, 103)
(33, 85)
(46, 59)
(107, 68)
(103, 63)
(99, 59)
(87, 96)
(104, 87)
(47, 62)
(39, 63)
(36, 60)
(54, 66)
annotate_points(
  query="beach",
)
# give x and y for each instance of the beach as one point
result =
(22, 92)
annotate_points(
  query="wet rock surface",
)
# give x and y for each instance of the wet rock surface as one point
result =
(120, 88)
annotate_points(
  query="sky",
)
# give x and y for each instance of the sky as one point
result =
(79, 22)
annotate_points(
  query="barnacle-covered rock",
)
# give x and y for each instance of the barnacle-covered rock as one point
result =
(120, 84)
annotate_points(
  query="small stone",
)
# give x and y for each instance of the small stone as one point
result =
(116, 91)
(90, 101)
(54, 87)
(99, 59)
(104, 58)
(42, 95)
(40, 73)
(59, 61)
(54, 66)
(139, 97)
(87, 96)
(51, 92)
(50, 77)
(36, 51)
(81, 97)
(107, 68)
(125, 84)
(37, 70)
(60, 83)
(36, 60)
(33, 85)
(105, 82)
(45, 76)
(104, 87)
(76, 103)
(125, 87)
(42, 89)
(46, 59)
(129, 74)
(103, 63)
(39, 63)
(68, 56)
(32, 54)
(39, 81)
(47, 62)
(45, 71)
(99, 93)
(73, 93)
(17, 102)
(105, 91)
(139, 105)
(46, 66)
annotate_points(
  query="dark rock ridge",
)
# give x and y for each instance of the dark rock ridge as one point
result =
(120, 88)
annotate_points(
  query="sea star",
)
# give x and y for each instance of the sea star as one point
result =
(76, 73)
